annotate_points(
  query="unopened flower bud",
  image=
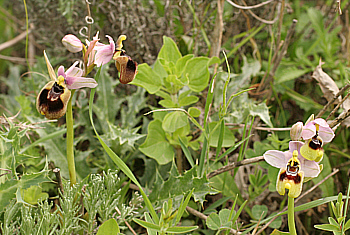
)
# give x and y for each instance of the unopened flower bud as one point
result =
(72, 43)
(296, 130)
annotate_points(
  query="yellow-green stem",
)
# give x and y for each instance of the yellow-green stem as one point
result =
(291, 223)
(70, 141)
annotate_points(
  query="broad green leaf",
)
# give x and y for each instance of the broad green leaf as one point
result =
(197, 72)
(181, 63)
(147, 79)
(277, 222)
(110, 227)
(33, 194)
(188, 100)
(7, 192)
(259, 211)
(174, 79)
(213, 221)
(173, 121)
(194, 112)
(228, 140)
(169, 51)
(262, 111)
(347, 225)
(284, 73)
(177, 185)
(123, 135)
(167, 103)
(156, 146)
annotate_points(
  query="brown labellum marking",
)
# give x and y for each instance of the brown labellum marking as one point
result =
(285, 176)
(127, 68)
(315, 143)
(52, 100)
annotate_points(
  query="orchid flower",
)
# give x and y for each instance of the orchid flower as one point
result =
(316, 133)
(53, 98)
(294, 168)
(72, 43)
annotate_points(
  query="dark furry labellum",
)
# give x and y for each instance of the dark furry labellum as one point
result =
(126, 67)
(52, 100)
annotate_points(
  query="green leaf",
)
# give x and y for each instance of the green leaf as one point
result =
(169, 51)
(183, 229)
(214, 130)
(33, 194)
(124, 135)
(173, 121)
(262, 111)
(156, 146)
(147, 79)
(287, 73)
(347, 225)
(194, 112)
(177, 185)
(327, 227)
(167, 103)
(197, 72)
(110, 227)
(147, 225)
(276, 232)
(181, 63)
(213, 221)
(188, 100)
(259, 211)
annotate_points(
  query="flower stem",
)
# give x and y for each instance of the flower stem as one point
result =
(291, 223)
(70, 140)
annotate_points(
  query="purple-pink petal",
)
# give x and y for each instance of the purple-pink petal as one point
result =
(60, 71)
(309, 131)
(326, 133)
(73, 71)
(277, 158)
(310, 168)
(80, 82)
(295, 145)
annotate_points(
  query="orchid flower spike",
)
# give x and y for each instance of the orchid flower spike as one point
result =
(316, 133)
(53, 98)
(125, 65)
(293, 168)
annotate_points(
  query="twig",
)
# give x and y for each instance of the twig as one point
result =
(338, 106)
(234, 165)
(340, 119)
(7, 171)
(301, 196)
(269, 129)
(57, 172)
(126, 222)
(14, 40)
(249, 7)
(332, 100)
(338, 7)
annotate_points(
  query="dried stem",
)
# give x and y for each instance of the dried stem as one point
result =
(57, 172)
(332, 100)
(338, 106)
(234, 165)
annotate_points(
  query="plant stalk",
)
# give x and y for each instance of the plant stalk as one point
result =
(291, 222)
(70, 141)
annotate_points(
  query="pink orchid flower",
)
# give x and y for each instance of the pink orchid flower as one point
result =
(293, 168)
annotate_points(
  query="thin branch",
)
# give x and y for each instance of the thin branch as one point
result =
(340, 119)
(14, 40)
(332, 100)
(234, 165)
(269, 129)
(338, 106)
(249, 7)
(301, 196)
